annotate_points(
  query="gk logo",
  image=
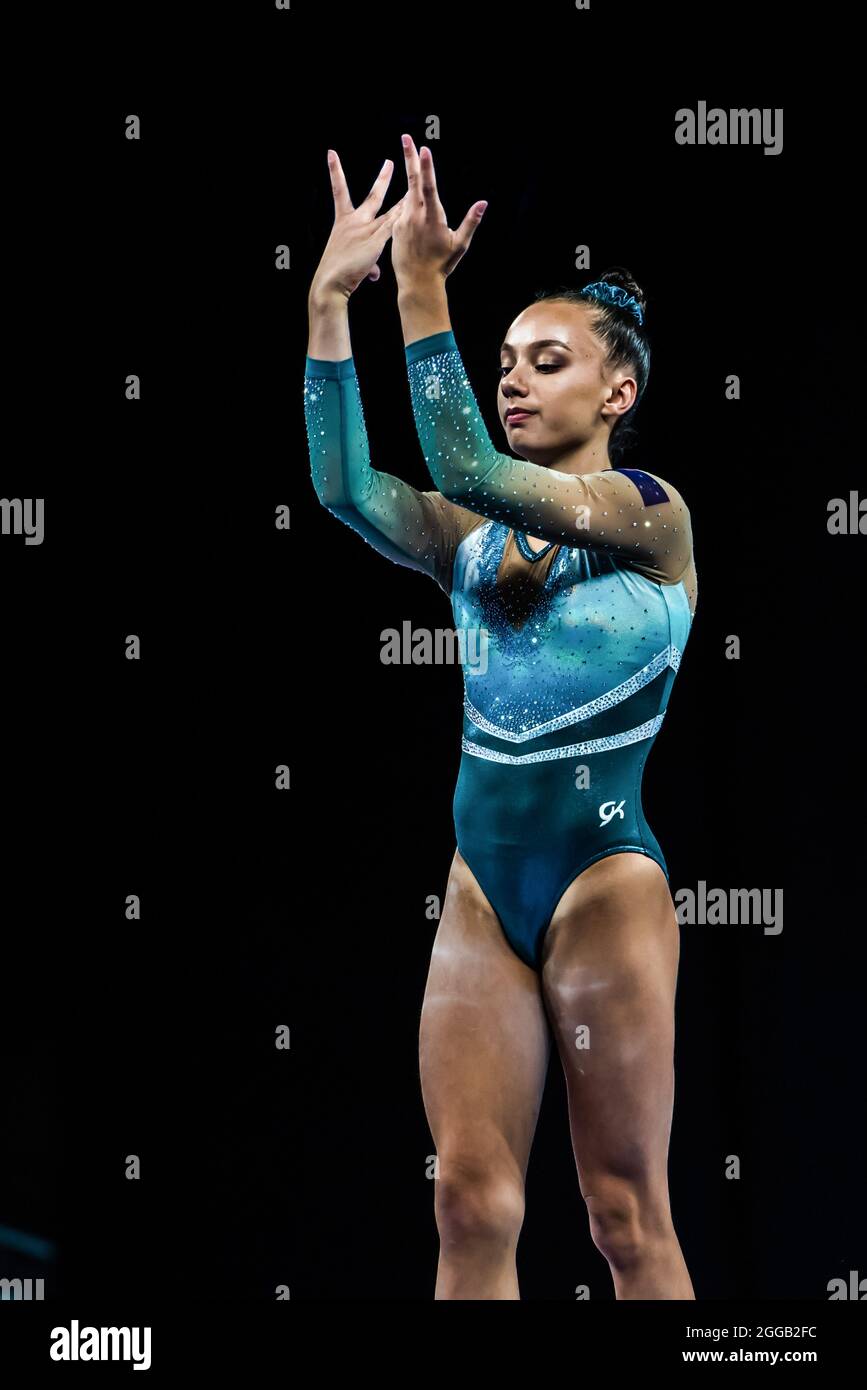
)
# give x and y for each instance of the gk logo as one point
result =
(605, 816)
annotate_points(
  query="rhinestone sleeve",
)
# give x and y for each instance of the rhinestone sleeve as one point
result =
(642, 522)
(415, 529)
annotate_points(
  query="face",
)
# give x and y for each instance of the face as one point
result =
(572, 398)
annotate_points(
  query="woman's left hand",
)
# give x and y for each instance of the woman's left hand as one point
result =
(423, 246)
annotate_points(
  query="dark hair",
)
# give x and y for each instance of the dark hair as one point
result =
(626, 341)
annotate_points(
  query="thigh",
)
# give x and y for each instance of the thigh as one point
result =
(484, 1039)
(610, 964)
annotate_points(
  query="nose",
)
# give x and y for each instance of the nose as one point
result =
(510, 385)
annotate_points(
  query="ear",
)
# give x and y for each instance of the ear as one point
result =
(626, 389)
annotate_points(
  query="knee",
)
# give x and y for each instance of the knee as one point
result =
(478, 1204)
(626, 1223)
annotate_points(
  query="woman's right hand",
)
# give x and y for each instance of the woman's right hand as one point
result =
(358, 235)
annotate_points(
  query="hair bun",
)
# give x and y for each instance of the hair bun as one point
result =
(624, 279)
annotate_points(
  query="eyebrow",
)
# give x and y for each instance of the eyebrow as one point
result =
(540, 342)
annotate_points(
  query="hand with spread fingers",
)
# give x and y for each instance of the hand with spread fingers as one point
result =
(358, 235)
(423, 245)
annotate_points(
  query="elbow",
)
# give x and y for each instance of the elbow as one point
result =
(321, 494)
(330, 492)
(333, 499)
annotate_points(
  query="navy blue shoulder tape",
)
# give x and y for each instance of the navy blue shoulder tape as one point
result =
(651, 491)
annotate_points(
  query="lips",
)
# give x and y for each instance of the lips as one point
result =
(517, 412)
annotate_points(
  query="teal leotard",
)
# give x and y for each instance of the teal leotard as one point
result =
(582, 640)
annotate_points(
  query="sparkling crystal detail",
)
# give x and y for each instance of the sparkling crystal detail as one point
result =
(572, 750)
(669, 657)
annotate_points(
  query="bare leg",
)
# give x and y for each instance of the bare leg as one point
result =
(611, 957)
(484, 1050)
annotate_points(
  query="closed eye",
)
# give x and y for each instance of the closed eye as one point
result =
(540, 367)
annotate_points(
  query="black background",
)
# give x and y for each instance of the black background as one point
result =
(261, 647)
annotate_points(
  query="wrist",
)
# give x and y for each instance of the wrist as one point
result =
(425, 288)
(322, 296)
(424, 308)
(328, 335)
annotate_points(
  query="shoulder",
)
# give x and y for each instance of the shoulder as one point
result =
(654, 489)
(666, 555)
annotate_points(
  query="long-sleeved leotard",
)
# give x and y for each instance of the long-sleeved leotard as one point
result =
(625, 513)
(581, 641)
(418, 529)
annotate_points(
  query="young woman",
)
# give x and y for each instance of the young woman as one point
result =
(558, 921)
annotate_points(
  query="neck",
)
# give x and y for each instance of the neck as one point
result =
(589, 457)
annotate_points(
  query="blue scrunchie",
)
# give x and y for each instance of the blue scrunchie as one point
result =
(614, 294)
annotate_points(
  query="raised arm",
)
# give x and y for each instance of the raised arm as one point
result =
(417, 529)
(638, 518)
(635, 516)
